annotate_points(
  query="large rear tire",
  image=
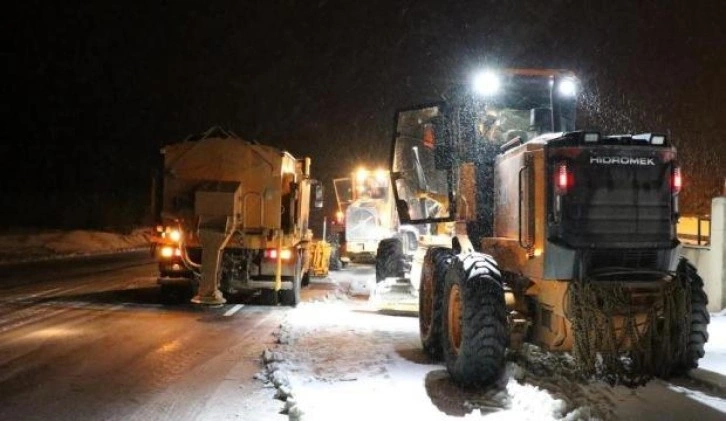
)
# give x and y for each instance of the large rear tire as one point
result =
(430, 301)
(389, 259)
(699, 320)
(475, 321)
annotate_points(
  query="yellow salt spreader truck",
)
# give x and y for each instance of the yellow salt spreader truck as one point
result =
(233, 218)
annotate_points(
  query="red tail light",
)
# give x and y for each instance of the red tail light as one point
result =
(677, 180)
(563, 179)
(285, 254)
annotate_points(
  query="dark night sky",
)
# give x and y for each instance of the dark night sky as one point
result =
(93, 90)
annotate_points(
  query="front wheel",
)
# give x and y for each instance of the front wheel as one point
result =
(475, 321)
(389, 259)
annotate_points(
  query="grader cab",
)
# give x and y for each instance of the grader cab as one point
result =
(565, 239)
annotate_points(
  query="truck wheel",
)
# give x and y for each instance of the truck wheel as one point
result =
(306, 278)
(430, 307)
(475, 321)
(334, 262)
(700, 318)
(389, 259)
(291, 297)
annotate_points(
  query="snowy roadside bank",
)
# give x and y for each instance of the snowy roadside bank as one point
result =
(712, 367)
(25, 247)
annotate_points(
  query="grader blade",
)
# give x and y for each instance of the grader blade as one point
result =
(395, 295)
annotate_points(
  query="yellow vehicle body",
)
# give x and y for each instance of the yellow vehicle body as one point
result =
(319, 258)
(366, 200)
(234, 217)
(564, 238)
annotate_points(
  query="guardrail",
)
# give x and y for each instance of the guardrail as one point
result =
(704, 245)
(695, 230)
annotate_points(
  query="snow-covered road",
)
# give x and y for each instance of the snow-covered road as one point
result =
(337, 358)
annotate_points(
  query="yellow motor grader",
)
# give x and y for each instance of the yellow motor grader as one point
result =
(234, 218)
(373, 233)
(565, 239)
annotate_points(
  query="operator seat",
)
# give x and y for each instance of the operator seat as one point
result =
(512, 134)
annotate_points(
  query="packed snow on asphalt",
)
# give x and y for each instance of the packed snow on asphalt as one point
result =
(337, 358)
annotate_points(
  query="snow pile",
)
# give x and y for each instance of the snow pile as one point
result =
(339, 360)
(18, 247)
(715, 358)
(361, 287)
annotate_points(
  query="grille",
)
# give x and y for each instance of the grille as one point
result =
(618, 206)
(361, 223)
(644, 259)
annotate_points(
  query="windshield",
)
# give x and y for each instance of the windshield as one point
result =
(343, 192)
(371, 185)
(522, 107)
(470, 128)
(420, 184)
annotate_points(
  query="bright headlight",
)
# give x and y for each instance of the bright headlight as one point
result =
(567, 87)
(167, 251)
(381, 176)
(361, 175)
(175, 235)
(486, 83)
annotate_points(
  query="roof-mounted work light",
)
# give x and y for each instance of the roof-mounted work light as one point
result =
(657, 139)
(591, 137)
(567, 87)
(486, 83)
(653, 139)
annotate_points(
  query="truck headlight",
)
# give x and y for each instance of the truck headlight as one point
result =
(167, 252)
(175, 235)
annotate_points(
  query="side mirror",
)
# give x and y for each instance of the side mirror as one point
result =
(319, 190)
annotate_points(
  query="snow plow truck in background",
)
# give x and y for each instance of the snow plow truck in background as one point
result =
(565, 239)
(234, 218)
